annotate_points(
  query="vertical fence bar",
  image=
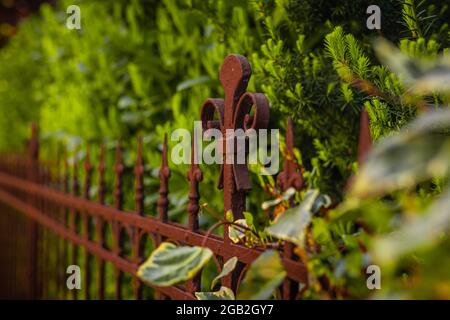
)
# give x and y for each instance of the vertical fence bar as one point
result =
(66, 219)
(87, 223)
(100, 230)
(289, 178)
(365, 138)
(194, 176)
(59, 240)
(33, 175)
(139, 207)
(75, 192)
(164, 174)
(234, 113)
(163, 201)
(118, 203)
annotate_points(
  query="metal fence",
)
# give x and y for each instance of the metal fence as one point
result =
(48, 221)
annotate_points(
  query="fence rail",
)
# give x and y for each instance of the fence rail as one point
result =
(47, 216)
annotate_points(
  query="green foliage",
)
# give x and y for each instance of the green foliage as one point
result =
(420, 152)
(264, 276)
(170, 264)
(291, 225)
(224, 293)
(227, 268)
(144, 67)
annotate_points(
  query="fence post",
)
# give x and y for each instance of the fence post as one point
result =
(233, 113)
(290, 177)
(33, 175)
(365, 139)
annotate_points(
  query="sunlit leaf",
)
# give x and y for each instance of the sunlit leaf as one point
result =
(419, 152)
(265, 274)
(284, 197)
(248, 218)
(227, 268)
(291, 224)
(223, 294)
(421, 231)
(229, 216)
(235, 233)
(170, 264)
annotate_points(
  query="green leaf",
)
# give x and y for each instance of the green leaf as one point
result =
(136, 79)
(248, 218)
(229, 216)
(228, 267)
(284, 197)
(292, 223)
(420, 231)
(422, 77)
(235, 233)
(223, 294)
(265, 274)
(419, 152)
(192, 82)
(169, 264)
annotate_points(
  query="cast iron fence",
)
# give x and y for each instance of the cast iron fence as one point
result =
(47, 216)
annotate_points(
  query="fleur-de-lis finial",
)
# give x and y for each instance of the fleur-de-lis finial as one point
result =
(233, 112)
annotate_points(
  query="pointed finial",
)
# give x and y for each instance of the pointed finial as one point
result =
(118, 169)
(290, 177)
(88, 174)
(139, 176)
(75, 182)
(164, 174)
(101, 175)
(194, 176)
(365, 138)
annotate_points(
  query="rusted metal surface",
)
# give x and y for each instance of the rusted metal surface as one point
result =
(57, 198)
(290, 177)
(233, 112)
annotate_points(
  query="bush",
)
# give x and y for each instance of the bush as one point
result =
(144, 67)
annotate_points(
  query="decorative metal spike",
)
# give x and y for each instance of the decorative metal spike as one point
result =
(75, 182)
(101, 175)
(118, 169)
(88, 174)
(100, 223)
(194, 176)
(365, 138)
(66, 173)
(164, 174)
(139, 180)
(290, 177)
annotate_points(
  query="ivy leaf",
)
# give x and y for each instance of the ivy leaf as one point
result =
(265, 274)
(419, 231)
(227, 268)
(284, 197)
(248, 218)
(292, 223)
(235, 233)
(224, 293)
(229, 216)
(419, 152)
(170, 264)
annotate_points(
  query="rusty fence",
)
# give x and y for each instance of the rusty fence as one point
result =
(48, 221)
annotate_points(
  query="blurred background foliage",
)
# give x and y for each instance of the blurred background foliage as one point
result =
(144, 67)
